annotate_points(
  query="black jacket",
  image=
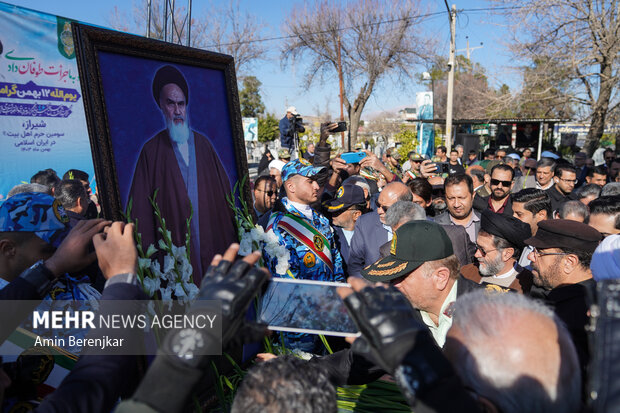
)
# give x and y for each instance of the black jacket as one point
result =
(557, 198)
(482, 202)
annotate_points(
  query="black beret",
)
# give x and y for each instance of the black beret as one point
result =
(509, 228)
(564, 233)
(165, 75)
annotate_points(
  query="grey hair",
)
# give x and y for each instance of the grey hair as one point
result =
(611, 189)
(404, 211)
(589, 190)
(23, 188)
(482, 366)
(575, 208)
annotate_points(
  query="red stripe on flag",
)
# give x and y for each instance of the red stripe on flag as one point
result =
(321, 255)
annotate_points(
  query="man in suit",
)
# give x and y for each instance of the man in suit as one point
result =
(459, 191)
(564, 180)
(345, 209)
(402, 212)
(371, 232)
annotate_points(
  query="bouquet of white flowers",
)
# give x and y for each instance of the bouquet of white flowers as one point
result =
(252, 237)
(165, 271)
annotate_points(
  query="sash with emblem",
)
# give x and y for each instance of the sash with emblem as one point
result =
(305, 233)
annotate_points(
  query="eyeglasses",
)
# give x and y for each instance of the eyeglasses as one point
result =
(482, 250)
(383, 207)
(497, 182)
(574, 181)
(542, 254)
(269, 193)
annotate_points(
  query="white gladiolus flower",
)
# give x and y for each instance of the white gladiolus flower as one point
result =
(168, 265)
(179, 252)
(245, 246)
(192, 290)
(185, 269)
(150, 285)
(179, 292)
(144, 263)
(155, 269)
(166, 295)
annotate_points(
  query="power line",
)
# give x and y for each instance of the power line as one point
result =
(268, 39)
(422, 16)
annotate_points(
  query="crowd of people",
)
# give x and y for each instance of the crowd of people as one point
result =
(495, 282)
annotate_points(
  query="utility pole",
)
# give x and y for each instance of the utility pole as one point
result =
(189, 24)
(451, 63)
(341, 92)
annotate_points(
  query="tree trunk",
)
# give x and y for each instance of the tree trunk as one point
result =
(599, 110)
(354, 122)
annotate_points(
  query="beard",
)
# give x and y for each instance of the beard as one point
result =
(491, 267)
(548, 279)
(499, 194)
(178, 133)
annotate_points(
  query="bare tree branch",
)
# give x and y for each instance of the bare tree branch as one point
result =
(378, 40)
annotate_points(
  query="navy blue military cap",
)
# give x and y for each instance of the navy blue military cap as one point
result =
(347, 195)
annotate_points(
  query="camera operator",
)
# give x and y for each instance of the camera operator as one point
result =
(289, 125)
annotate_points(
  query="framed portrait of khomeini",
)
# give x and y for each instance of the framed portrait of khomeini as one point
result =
(164, 118)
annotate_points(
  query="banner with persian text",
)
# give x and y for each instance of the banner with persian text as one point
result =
(42, 122)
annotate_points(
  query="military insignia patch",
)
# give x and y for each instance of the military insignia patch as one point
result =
(318, 242)
(304, 161)
(309, 260)
(59, 212)
(340, 192)
(495, 288)
(393, 245)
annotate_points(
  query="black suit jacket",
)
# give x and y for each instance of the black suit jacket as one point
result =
(557, 198)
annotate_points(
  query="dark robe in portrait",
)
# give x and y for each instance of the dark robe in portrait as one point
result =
(203, 184)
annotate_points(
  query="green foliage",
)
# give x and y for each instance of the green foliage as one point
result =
(249, 98)
(268, 129)
(408, 141)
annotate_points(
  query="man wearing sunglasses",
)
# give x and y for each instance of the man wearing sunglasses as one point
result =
(562, 251)
(265, 194)
(564, 180)
(371, 232)
(501, 183)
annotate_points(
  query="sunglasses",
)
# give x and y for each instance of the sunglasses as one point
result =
(383, 207)
(497, 182)
(269, 193)
(482, 251)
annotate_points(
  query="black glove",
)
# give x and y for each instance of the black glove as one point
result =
(235, 286)
(388, 325)
(175, 375)
(396, 341)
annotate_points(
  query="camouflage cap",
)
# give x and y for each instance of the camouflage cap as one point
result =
(35, 212)
(299, 167)
(284, 153)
